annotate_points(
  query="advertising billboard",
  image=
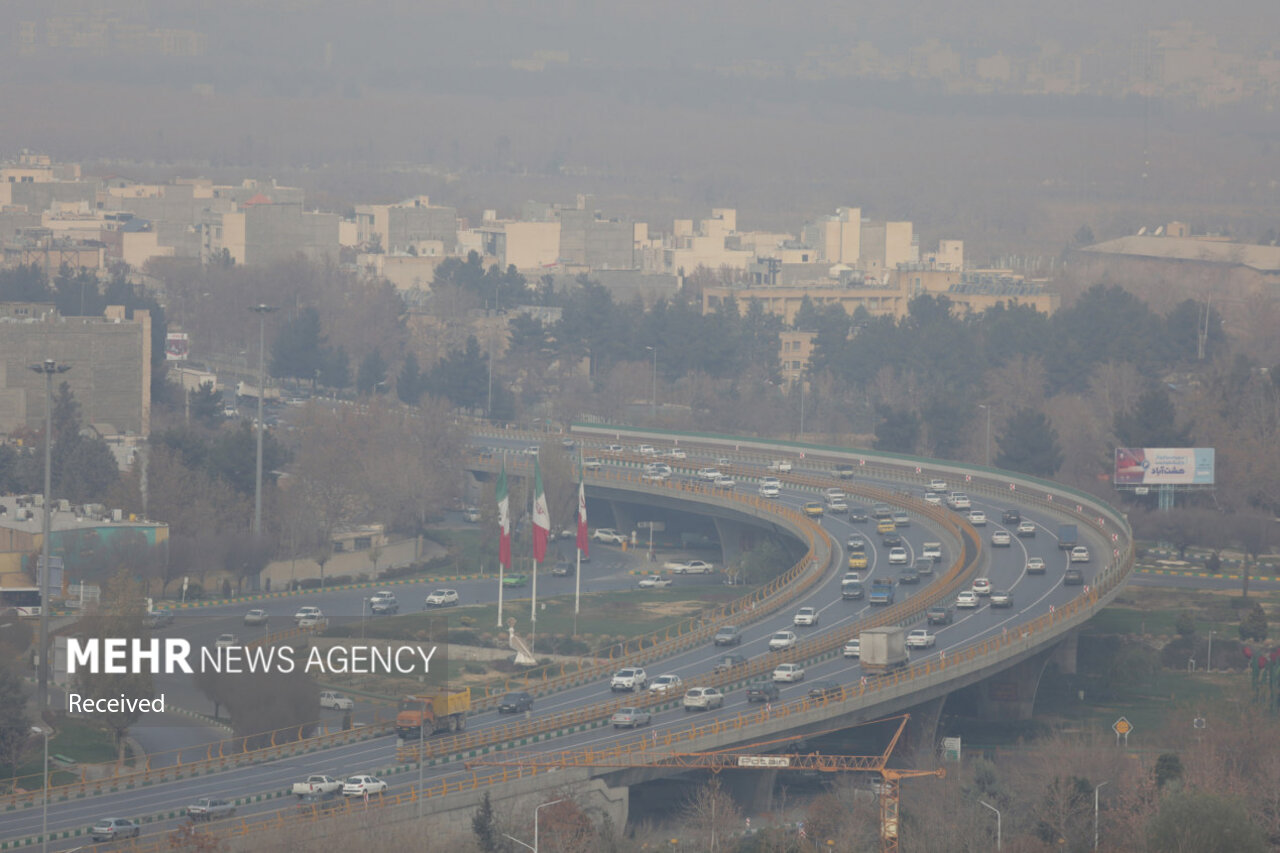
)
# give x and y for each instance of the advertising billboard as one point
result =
(1164, 466)
(176, 346)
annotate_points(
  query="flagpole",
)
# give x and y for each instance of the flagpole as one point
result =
(534, 616)
(577, 572)
(499, 593)
(577, 591)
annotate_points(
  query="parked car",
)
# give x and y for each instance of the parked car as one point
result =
(444, 597)
(729, 662)
(1001, 598)
(939, 614)
(655, 582)
(666, 683)
(335, 700)
(631, 678)
(788, 672)
(210, 808)
(358, 786)
(702, 699)
(1001, 539)
(981, 586)
(782, 640)
(1035, 565)
(514, 703)
(1073, 577)
(111, 828)
(966, 599)
(824, 689)
(762, 691)
(728, 635)
(853, 648)
(806, 616)
(691, 567)
(256, 617)
(629, 718)
(1026, 529)
(608, 535)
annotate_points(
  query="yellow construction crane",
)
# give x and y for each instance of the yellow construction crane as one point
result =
(754, 756)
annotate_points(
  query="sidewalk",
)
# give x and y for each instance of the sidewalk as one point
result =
(393, 555)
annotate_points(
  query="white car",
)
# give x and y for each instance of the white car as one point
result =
(920, 638)
(768, 491)
(853, 648)
(647, 450)
(256, 617)
(959, 500)
(931, 551)
(1035, 565)
(655, 582)
(834, 494)
(226, 641)
(357, 786)
(806, 616)
(663, 683)
(966, 599)
(702, 699)
(1026, 529)
(782, 466)
(933, 498)
(981, 586)
(336, 701)
(837, 504)
(897, 556)
(788, 672)
(771, 481)
(937, 485)
(708, 474)
(383, 603)
(592, 463)
(1079, 554)
(1001, 539)
(613, 448)
(313, 620)
(782, 640)
(675, 453)
(442, 598)
(304, 612)
(724, 481)
(693, 567)
(632, 678)
(977, 518)
(608, 535)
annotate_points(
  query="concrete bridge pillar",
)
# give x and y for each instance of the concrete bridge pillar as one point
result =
(735, 538)
(921, 735)
(1011, 693)
(1065, 653)
(752, 790)
(624, 517)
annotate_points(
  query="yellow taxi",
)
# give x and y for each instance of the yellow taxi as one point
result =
(885, 525)
(858, 560)
(813, 509)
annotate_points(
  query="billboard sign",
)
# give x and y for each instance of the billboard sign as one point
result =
(1164, 466)
(176, 346)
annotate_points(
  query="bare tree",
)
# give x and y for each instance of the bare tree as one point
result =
(711, 816)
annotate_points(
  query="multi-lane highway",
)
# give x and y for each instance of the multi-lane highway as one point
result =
(1032, 595)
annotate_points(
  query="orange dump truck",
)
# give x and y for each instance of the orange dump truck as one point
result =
(444, 711)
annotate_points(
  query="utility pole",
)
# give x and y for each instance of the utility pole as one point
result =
(262, 311)
(48, 367)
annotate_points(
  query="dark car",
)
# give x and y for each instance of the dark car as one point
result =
(844, 471)
(728, 635)
(909, 575)
(1011, 516)
(320, 802)
(940, 615)
(924, 567)
(1073, 577)
(823, 689)
(893, 540)
(857, 516)
(160, 618)
(729, 662)
(562, 569)
(514, 703)
(762, 691)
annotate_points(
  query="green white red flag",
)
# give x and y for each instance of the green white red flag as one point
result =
(504, 520)
(582, 516)
(541, 517)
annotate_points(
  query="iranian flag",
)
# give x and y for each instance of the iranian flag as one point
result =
(504, 520)
(582, 516)
(541, 518)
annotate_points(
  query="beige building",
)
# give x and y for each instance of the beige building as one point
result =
(399, 227)
(795, 349)
(837, 239)
(528, 246)
(885, 246)
(713, 244)
(265, 231)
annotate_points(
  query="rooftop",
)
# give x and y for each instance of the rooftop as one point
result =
(1261, 258)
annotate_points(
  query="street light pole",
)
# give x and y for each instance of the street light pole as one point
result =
(262, 311)
(653, 400)
(48, 367)
(988, 445)
(997, 811)
(422, 750)
(534, 848)
(1095, 812)
(1209, 663)
(44, 799)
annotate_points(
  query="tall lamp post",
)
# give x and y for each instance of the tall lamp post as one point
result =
(988, 408)
(534, 848)
(653, 400)
(1095, 812)
(997, 811)
(44, 800)
(262, 311)
(49, 368)
(422, 747)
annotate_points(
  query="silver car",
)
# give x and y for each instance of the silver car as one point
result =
(629, 718)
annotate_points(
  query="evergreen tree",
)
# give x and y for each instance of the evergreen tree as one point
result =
(24, 283)
(1152, 422)
(484, 824)
(371, 377)
(205, 405)
(898, 430)
(1029, 444)
(409, 382)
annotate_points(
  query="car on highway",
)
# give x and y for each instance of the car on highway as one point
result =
(893, 540)
(852, 648)
(1080, 554)
(977, 518)
(781, 466)
(882, 512)
(806, 616)
(629, 718)
(782, 640)
(1035, 565)
(1011, 516)
(111, 828)
(160, 618)
(924, 567)
(632, 678)
(933, 498)
(728, 635)
(675, 453)
(837, 504)
(210, 808)
(908, 575)
(724, 481)
(444, 598)
(384, 604)
(314, 620)
(843, 471)
(858, 516)
(981, 586)
(359, 786)
(568, 443)
(834, 493)
(812, 509)
(335, 701)
(1001, 539)
(646, 450)
(692, 567)
(608, 535)
(1001, 598)
(824, 690)
(966, 599)
(959, 501)
(729, 662)
(939, 614)
(666, 683)
(256, 617)
(788, 672)
(708, 474)
(613, 448)
(225, 641)
(702, 699)
(762, 691)
(655, 582)
(858, 560)
(592, 463)
(531, 450)
(920, 638)
(767, 490)
(901, 519)
(937, 485)
(931, 551)
(856, 542)
(319, 802)
(304, 612)
(514, 580)
(516, 702)
(562, 569)
(897, 556)
(1026, 529)
(1073, 577)
(317, 783)
(884, 525)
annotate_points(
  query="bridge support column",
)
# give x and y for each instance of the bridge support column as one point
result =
(734, 539)
(1011, 694)
(1064, 654)
(752, 790)
(921, 734)
(624, 517)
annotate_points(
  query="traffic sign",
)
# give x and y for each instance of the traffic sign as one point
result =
(1122, 727)
(1197, 723)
